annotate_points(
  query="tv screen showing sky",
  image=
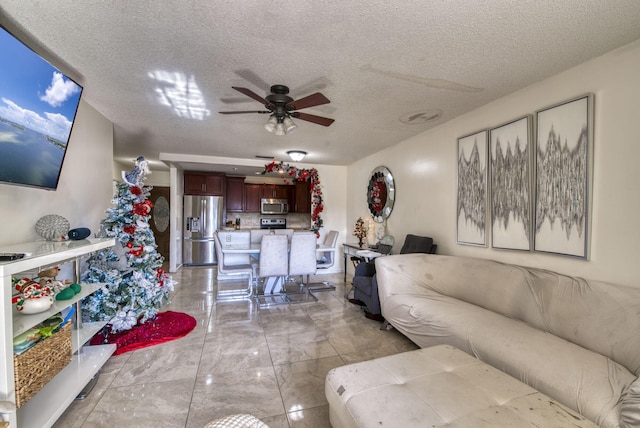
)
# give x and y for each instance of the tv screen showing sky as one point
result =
(38, 105)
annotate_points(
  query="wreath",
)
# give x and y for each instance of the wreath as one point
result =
(291, 174)
(377, 197)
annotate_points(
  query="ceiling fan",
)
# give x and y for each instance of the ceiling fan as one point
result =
(281, 108)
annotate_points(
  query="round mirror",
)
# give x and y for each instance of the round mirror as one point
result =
(381, 193)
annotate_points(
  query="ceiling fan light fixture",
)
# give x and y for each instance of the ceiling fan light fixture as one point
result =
(280, 129)
(281, 108)
(271, 123)
(289, 126)
(296, 155)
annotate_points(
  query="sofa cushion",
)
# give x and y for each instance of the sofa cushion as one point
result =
(439, 386)
(598, 316)
(630, 407)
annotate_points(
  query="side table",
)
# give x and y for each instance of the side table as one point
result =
(365, 253)
(349, 249)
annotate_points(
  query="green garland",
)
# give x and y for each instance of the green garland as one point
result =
(310, 175)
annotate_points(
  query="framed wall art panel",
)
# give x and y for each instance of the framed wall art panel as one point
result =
(563, 168)
(472, 189)
(510, 184)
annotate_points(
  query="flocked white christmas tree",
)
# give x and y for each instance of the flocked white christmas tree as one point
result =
(137, 286)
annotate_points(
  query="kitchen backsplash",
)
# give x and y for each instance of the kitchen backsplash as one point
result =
(252, 220)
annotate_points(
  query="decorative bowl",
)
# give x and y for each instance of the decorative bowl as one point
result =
(53, 227)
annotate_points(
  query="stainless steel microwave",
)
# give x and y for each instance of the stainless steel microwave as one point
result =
(274, 206)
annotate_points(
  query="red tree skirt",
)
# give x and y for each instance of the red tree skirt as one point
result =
(165, 327)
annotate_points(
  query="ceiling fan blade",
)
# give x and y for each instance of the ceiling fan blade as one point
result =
(242, 112)
(324, 121)
(312, 100)
(251, 94)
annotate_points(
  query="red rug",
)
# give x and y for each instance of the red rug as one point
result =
(165, 327)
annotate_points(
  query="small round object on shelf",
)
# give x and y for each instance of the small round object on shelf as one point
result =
(53, 227)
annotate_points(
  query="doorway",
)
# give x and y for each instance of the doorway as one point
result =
(160, 221)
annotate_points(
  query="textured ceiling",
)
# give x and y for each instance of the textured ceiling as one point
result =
(379, 62)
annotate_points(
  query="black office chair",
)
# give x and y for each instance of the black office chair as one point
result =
(365, 285)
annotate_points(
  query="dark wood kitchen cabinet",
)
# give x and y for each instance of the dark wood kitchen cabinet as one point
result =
(302, 197)
(254, 192)
(252, 196)
(275, 191)
(202, 183)
(235, 195)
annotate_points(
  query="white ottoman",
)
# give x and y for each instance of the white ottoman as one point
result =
(436, 387)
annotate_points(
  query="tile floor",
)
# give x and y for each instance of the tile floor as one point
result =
(270, 362)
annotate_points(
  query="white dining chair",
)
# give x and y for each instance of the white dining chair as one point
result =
(255, 238)
(302, 261)
(326, 260)
(257, 234)
(225, 269)
(287, 232)
(273, 267)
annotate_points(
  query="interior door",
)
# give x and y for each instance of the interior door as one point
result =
(160, 220)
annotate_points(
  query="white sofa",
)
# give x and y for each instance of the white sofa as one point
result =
(574, 341)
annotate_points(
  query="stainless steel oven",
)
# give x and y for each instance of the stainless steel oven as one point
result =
(273, 223)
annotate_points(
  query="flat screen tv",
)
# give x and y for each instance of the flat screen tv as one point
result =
(38, 106)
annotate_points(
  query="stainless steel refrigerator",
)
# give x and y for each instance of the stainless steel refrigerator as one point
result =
(202, 218)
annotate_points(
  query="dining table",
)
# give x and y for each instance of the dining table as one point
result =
(253, 250)
(364, 253)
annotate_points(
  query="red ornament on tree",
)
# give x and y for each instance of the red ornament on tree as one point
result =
(141, 209)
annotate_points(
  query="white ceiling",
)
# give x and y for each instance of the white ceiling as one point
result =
(378, 62)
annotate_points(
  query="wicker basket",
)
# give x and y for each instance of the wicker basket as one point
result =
(38, 365)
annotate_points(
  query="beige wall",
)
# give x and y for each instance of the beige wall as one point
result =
(333, 179)
(425, 171)
(84, 191)
(158, 179)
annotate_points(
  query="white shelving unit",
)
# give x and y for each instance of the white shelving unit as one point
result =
(48, 404)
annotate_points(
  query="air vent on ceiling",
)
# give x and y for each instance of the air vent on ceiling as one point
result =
(418, 117)
(265, 157)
